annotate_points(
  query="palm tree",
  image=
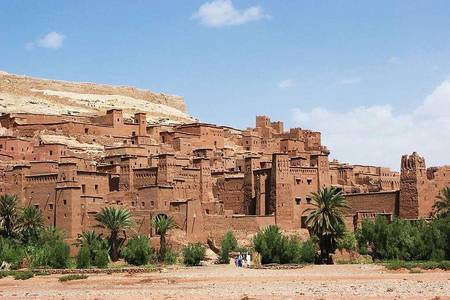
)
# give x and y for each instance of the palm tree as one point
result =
(115, 219)
(326, 219)
(30, 223)
(162, 225)
(8, 214)
(442, 204)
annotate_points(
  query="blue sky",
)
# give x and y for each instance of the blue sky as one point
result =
(313, 64)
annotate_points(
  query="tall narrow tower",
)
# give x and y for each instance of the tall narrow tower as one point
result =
(281, 191)
(413, 175)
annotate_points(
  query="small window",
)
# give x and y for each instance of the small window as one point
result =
(308, 200)
(143, 203)
(96, 188)
(86, 130)
(36, 206)
(65, 202)
(309, 181)
(51, 152)
(303, 222)
(298, 200)
(50, 206)
(83, 188)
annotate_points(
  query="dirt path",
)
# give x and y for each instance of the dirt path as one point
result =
(228, 282)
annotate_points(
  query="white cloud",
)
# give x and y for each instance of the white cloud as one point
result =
(52, 40)
(347, 81)
(377, 135)
(219, 13)
(286, 83)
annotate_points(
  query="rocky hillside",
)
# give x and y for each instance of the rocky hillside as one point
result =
(34, 95)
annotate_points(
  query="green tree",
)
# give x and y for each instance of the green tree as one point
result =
(30, 223)
(162, 224)
(8, 214)
(442, 204)
(326, 219)
(115, 220)
(228, 244)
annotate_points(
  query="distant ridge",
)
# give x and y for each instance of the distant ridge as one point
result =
(24, 94)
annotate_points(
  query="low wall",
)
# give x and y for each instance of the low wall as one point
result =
(217, 225)
(380, 202)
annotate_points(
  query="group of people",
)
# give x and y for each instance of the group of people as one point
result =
(243, 260)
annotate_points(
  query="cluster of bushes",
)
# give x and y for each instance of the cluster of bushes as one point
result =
(277, 248)
(193, 254)
(48, 250)
(411, 265)
(405, 240)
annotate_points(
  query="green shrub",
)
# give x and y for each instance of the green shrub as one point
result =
(11, 252)
(276, 248)
(94, 253)
(23, 275)
(72, 277)
(269, 243)
(347, 241)
(228, 244)
(101, 257)
(193, 254)
(52, 251)
(308, 251)
(405, 240)
(170, 257)
(83, 258)
(138, 251)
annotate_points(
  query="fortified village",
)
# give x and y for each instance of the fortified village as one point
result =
(72, 149)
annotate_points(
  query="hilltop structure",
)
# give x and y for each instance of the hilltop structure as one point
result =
(209, 178)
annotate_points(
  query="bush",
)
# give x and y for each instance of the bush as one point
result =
(269, 243)
(170, 257)
(138, 252)
(23, 275)
(72, 277)
(11, 252)
(50, 251)
(101, 257)
(308, 251)
(94, 253)
(84, 258)
(347, 241)
(405, 240)
(276, 248)
(193, 254)
(228, 244)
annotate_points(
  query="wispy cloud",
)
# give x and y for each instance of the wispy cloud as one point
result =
(378, 135)
(286, 84)
(219, 13)
(394, 60)
(347, 81)
(52, 40)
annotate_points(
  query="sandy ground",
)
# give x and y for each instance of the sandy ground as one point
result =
(229, 282)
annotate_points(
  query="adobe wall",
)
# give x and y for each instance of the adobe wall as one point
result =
(380, 202)
(216, 226)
